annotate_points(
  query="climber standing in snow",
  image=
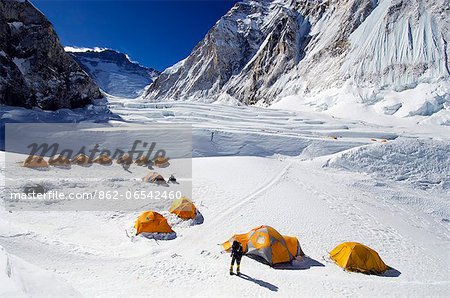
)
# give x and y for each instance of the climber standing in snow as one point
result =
(236, 255)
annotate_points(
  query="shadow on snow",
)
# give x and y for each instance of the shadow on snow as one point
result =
(260, 282)
(305, 263)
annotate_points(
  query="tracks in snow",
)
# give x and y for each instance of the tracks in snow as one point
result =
(255, 193)
(366, 222)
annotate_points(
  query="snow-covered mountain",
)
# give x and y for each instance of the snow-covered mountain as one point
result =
(34, 68)
(113, 71)
(329, 54)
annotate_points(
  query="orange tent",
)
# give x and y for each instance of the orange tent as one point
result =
(266, 244)
(183, 208)
(152, 222)
(35, 161)
(154, 177)
(103, 159)
(125, 160)
(59, 161)
(161, 162)
(142, 161)
(82, 160)
(357, 257)
(293, 245)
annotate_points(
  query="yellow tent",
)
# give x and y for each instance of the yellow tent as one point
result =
(154, 177)
(266, 244)
(59, 161)
(35, 161)
(152, 222)
(183, 208)
(354, 256)
(161, 162)
(81, 160)
(103, 159)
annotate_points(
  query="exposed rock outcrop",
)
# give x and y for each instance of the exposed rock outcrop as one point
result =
(34, 68)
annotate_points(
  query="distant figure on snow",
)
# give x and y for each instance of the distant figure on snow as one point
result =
(126, 167)
(212, 136)
(172, 179)
(236, 255)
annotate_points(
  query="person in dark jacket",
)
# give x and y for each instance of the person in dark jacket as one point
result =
(236, 255)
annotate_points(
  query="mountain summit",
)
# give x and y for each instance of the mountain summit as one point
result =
(324, 52)
(113, 71)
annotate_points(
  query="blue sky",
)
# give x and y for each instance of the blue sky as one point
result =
(154, 33)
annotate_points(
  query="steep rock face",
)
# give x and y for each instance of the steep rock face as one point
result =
(227, 47)
(282, 49)
(34, 68)
(114, 72)
(261, 51)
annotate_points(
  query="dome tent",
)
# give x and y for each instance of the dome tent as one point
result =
(103, 159)
(293, 245)
(264, 243)
(154, 177)
(59, 161)
(124, 160)
(35, 162)
(82, 160)
(161, 162)
(143, 161)
(183, 208)
(357, 257)
(151, 223)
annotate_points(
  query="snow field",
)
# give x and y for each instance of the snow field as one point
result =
(297, 195)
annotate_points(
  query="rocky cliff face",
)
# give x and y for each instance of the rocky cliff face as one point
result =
(261, 51)
(223, 53)
(114, 72)
(34, 68)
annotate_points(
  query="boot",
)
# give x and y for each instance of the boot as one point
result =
(231, 270)
(238, 270)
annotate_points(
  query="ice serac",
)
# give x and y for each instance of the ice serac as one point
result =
(324, 52)
(35, 70)
(114, 72)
